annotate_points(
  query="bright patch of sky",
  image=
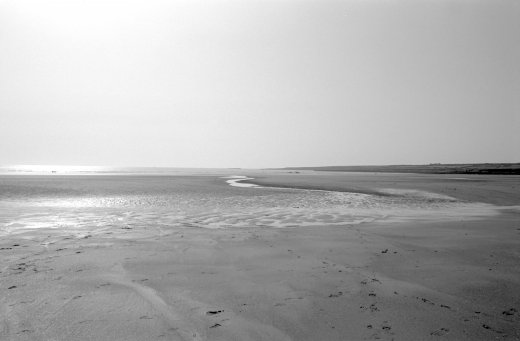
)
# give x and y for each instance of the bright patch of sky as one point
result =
(230, 83)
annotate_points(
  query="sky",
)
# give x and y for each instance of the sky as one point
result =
(252, 84)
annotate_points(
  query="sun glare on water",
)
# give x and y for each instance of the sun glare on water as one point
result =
(51, 169)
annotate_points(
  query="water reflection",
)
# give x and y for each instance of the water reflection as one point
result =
(116, 204)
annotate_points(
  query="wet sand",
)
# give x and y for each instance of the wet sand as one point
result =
(449, 280)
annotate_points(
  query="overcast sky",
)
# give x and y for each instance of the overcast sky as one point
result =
(259, 83)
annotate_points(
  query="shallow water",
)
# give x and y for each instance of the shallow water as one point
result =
(156, 203)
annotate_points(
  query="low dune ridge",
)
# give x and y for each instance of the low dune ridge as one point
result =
(432, 168)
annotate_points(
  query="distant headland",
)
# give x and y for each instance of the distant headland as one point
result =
(432, 168)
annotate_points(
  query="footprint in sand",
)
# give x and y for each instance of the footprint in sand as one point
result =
(485, 326)
(440, 332)
(509, 312)
(25, 331)
(336, 295)
(373, 280)
(425, 300)
(373, 308)
(386, 326)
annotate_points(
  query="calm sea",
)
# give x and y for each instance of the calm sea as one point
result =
(121, 200)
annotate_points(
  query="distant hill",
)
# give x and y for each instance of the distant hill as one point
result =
(434, 168)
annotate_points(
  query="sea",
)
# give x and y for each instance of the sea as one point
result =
(83, 201)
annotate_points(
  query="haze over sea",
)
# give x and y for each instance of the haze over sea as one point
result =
(86, 200)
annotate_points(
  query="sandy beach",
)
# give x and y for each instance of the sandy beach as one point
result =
(402, 279)
(234, 170)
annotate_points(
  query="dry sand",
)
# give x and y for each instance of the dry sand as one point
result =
(446, 280)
